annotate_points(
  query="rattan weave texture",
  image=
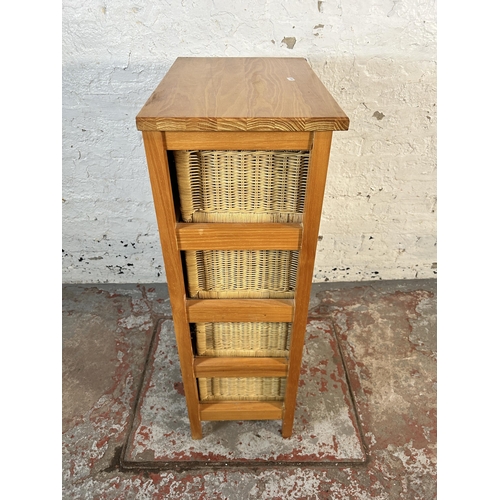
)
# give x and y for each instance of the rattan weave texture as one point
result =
(242, 186)
(230, 274)
(242, 389)
(243, 339)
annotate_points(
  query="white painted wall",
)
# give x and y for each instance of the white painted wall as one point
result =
(378, 59)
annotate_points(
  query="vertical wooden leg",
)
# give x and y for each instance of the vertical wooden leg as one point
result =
(318, 168)
(154, 143)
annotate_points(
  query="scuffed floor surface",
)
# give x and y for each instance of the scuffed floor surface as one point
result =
(387, 333)
(325, 430)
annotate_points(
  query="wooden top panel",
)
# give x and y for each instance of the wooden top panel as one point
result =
(241, 93)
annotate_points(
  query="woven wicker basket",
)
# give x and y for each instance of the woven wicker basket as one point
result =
(242, 186)
(250, 274)
(243, 339)
(242, 389)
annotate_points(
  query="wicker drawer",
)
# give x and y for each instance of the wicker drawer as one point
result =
(243, 339)
(242, 186)
(242, 389)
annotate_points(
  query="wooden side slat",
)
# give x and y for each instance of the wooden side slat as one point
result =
(208, 367)
(244, 410)
(166, 216)
(238, 236)
(238, 140)
(252, 310)
(311, 220)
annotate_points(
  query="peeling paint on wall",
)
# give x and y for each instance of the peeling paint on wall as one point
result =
(377, 59)
(289, 41)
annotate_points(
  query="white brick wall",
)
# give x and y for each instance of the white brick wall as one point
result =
(376, 57)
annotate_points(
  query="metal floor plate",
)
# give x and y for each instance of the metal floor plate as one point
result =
(325, 431)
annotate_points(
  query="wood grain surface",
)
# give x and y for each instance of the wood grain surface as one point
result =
(252, 310)
(161, 187)
(244, 410)
(240, 367)
(241, 94)
(238, 236)
(312, 218)
(238, 140)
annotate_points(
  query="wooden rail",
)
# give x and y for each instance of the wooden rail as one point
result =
(264, 141)
(246, 410)
(208, 367)
(238, 236)
(252, 310)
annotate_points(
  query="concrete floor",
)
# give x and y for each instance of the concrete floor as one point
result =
(387, 334)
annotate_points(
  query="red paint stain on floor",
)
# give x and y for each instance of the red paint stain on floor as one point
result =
(179, 387)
